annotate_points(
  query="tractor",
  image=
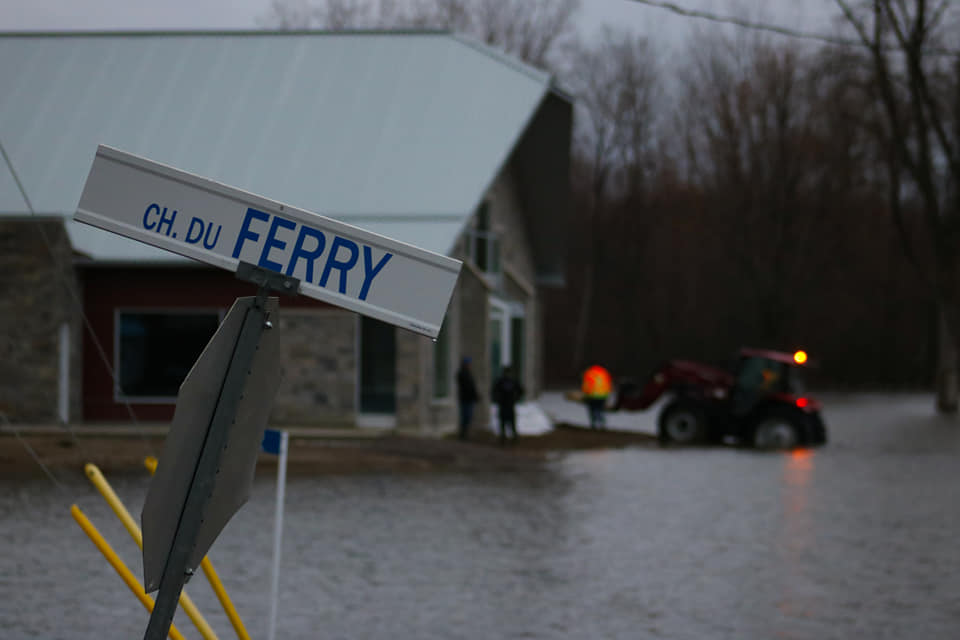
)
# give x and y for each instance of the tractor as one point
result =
(758, 402)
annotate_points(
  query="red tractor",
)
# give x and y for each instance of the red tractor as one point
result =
(760, 402)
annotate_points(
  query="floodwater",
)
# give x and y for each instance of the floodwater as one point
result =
(860, 539)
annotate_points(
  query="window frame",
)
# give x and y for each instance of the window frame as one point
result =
(493, 246)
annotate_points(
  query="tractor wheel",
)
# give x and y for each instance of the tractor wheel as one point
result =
(682, 422)
(776, 431)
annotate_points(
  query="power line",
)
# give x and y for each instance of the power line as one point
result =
(33, 454)
(749, 24)
(769, 28)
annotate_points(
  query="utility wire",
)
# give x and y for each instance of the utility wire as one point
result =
(33, 454)
(73, 294)
(771, 28)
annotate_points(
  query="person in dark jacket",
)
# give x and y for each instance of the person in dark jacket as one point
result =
(467, 397)
(507, 391)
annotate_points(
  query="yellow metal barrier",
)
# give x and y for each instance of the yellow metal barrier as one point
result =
(151, 464)
(129, 579)
(100, 482)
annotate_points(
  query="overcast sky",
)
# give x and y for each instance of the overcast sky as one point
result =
(47, 15)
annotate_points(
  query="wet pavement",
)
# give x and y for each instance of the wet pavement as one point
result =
(854, 540)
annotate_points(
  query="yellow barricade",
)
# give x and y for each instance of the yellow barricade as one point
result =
(128, 578)
(96, 477)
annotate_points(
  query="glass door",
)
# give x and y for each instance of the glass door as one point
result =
(506, 337)
(378, 367)
(497, 326)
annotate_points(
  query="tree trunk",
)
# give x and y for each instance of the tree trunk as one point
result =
(947, 396)
(590, 268)
(583, 319)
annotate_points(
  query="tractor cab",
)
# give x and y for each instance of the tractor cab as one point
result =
(759, 375)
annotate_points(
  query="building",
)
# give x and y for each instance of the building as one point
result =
(425, 137)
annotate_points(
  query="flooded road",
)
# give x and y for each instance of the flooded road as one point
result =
(860, 539)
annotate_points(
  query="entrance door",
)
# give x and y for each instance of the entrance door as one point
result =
(378, 367)
(498, 358)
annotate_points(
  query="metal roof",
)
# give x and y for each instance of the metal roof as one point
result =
(396, 132)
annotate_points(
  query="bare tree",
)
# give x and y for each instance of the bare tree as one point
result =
(616, 84)
(917, 89)
(288, 15)
(754, 123)
(533, 30)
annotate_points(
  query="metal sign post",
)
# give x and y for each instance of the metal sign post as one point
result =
(184, 554)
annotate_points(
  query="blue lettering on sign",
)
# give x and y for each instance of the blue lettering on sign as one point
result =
(245, 233)
(273, 242)
(147, 224)
(343, 266)
(369, 271)
(167, 220)
(207, 242)
(161, 220)
(273, 239)
(198, 230)
(155, 218)
(309, 255)
(196, 225)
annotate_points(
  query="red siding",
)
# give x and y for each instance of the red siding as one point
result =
(107, 289)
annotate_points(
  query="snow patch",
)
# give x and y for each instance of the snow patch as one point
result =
(531, 420)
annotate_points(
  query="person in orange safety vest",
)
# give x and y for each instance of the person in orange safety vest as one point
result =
(596, 387)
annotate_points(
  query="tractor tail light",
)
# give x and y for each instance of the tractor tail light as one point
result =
(802, 403)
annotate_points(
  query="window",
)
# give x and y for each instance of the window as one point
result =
(156, 350)
(441, 364)
(763, 374)
(378, 366)
(485, 242)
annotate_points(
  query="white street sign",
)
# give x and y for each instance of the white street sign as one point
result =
(222, 226)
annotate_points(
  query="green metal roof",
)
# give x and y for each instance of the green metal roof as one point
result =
(398, 133)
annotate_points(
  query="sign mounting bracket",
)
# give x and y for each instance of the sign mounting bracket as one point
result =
(268, 280)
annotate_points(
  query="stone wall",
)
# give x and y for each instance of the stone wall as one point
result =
(319, 368)
(510, 221)
(442, 412)
(521, 278)
(412, 390)
(39, 291)
(517, 283)
(474, 324)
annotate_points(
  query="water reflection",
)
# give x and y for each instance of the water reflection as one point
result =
(796, 540)
(797, 474)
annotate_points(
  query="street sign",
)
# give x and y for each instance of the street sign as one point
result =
(223, 405)
(197, 402)
(223, 226)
